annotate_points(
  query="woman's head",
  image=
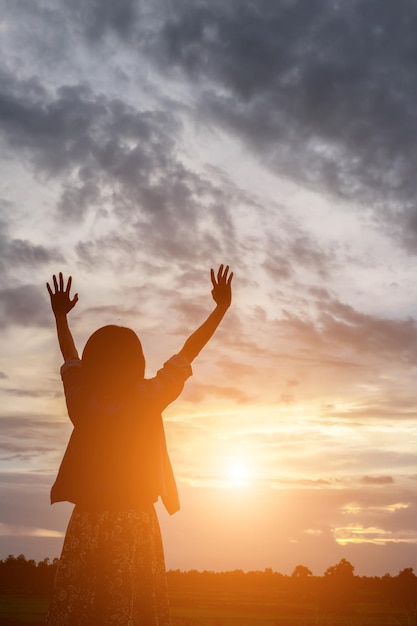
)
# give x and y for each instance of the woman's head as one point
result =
(113, 358)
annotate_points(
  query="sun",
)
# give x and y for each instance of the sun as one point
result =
(237, 473)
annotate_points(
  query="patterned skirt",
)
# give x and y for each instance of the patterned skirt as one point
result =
(111, 571)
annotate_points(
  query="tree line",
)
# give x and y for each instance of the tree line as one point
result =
(334, 591)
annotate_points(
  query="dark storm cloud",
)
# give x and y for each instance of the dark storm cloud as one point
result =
(94, 141)
(57, 24)
(323, 92)
(115, 158)
(38, 32)
(101, 17)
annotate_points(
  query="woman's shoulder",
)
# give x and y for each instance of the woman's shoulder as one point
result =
(175, 369)
(70, 364)
(168, 382)
(71, 372)
(177, 366)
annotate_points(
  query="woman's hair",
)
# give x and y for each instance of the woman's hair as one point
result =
(113, 359)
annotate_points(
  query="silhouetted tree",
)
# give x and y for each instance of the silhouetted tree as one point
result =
(406, 587)
(302, 584)
(337, 588)
(301, 572)
(341, 571)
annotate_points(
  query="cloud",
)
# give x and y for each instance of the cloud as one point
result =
(340, 327)
(31, 393)
(120, 164)
(28, 531)
(313, 89)
(46, 42)
(377, 480)
(23, 306)
(286, 256)
(100, 18)
(26, 511)
(21, 254)
(31, 439)
(98, 142)
(101, 144)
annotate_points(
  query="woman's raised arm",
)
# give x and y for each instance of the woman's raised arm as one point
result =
(222, 295)
(62, 304)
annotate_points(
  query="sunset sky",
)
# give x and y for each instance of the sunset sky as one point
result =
(144, 142)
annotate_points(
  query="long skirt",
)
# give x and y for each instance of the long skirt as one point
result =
(111, 571)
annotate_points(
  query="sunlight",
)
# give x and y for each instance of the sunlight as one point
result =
(238, 473)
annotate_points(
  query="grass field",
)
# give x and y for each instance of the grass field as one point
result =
(198, 609)
(15, 609)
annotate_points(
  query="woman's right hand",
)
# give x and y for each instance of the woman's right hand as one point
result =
(61, 301)
(222, 289)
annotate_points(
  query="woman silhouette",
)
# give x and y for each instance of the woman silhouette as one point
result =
(116, 465)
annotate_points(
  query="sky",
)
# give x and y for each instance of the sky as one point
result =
(144, 142)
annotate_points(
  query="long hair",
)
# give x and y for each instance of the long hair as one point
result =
(113, 360)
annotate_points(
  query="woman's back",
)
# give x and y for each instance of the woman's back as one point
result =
(116, 464)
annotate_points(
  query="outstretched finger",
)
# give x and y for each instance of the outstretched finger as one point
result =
(213, 279)
(61, 282)
(229, 280)
(49, 289)
(69, 285)
(55, 283)
(219, 273)
(226, 271)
